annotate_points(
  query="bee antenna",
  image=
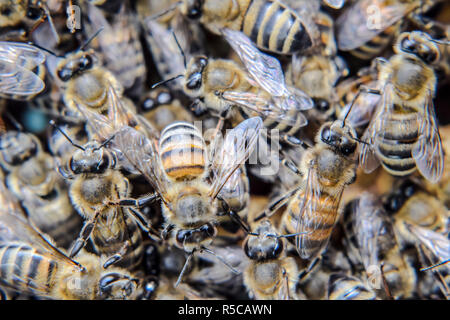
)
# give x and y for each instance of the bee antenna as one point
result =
(91, 38)
(220, 259)
(53, 124)
(435, 265)
(168, 80)
(50, 21)
(350, 108)
(184, 268)
(179, 48)
(290, 235)
(444, 42)
(361, 141)
(43, 49)
(171, 8)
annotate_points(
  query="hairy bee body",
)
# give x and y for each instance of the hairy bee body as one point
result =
(33, 179)
(344, 287)
(270, 24)
(94, 183)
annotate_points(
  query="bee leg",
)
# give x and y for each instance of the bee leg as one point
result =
(85, 233)
(385, 284)
(118, 256)
(314, 264)
(198, 108)
(145, 224)
(277, 204)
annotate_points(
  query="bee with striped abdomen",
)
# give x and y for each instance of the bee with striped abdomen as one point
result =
(367, 27)
(403, 134)
(31, 264)
(34, 181)
(345, 287)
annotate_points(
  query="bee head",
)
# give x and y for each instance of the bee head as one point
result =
(17, 147)
(74, 65)
(93, 159)
(193, 9)
(194, 73)
(265, 246)
(342, 138)
(419, 44)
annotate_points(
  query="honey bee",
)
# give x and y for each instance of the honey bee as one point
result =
(18, 61)
(270, 274)
(270, 24)
(30, 263)
(161, 108)
(363, 103)
(33, 179)
(345, 287)
(314, 204)
(178, 170)
(221, 84)
(94, 185)
(412, 203)
(367, 27)
(121, 49)
(403, 134)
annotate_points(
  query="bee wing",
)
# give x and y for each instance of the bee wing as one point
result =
(365, 19)
(235, 187)
(310, 222)
(367, 158)
(21, 54)
(14, 226)
(335, 4)
(235, 150)
(427, 151)
(438, 244)
(266, 71)
(264, 108)
(18, 81)
(142, 153)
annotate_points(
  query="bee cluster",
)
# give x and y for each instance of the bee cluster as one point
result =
(224, 149)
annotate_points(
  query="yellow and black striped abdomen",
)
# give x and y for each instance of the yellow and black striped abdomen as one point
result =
(317, 219)
(394, 145)
(343, 287)
(377, 44)
(182, 151)
(25, 269)
(275, 27)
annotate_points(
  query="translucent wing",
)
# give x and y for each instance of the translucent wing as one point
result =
(365, 19)
(266, 109)
(21, 54)
(142, 153)
(367, 158)
(14, 227)
(235, 150)
(317, 214)
(427, 151)
(266, 71)
(16, 81)
(438, 244)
